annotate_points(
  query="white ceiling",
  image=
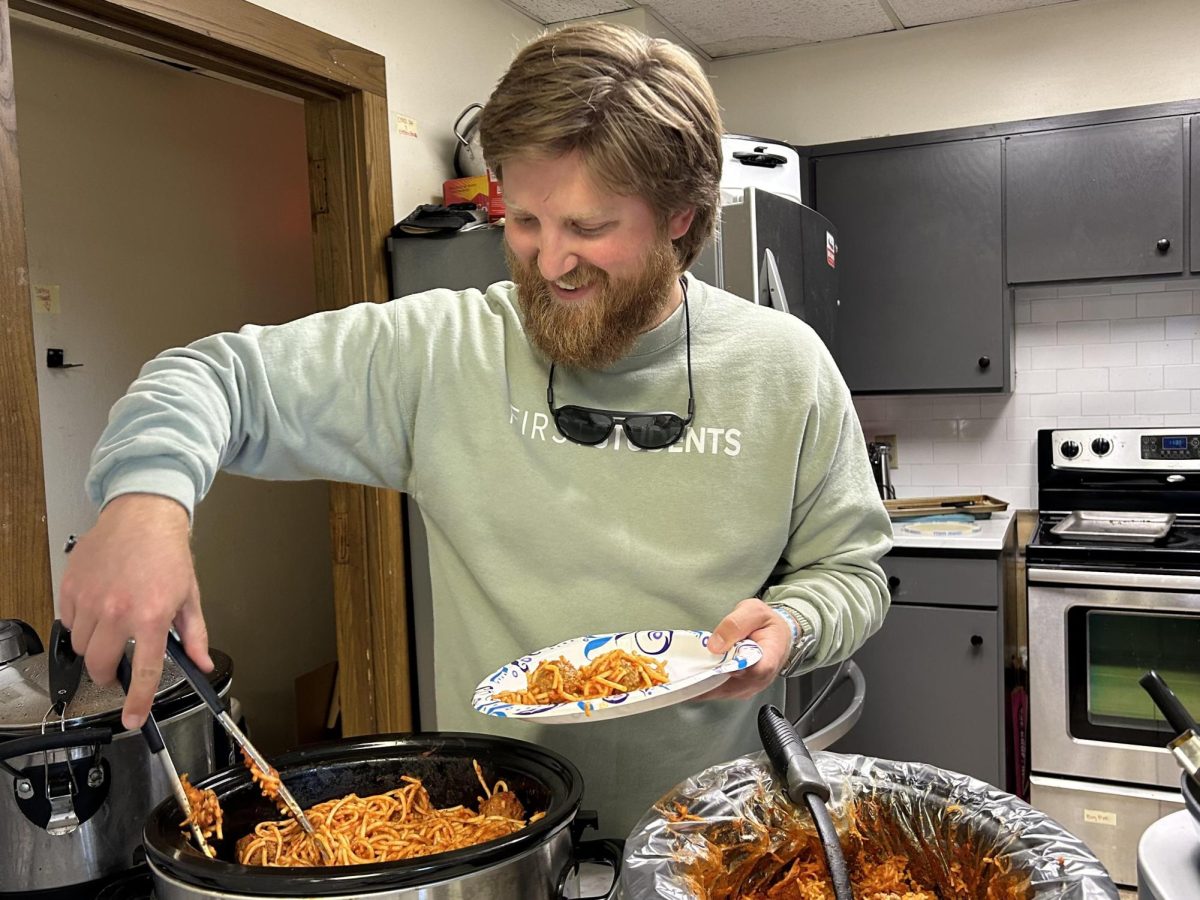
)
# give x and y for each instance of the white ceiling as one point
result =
(721, 28)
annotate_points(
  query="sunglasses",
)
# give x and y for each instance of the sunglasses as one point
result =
(647, 430)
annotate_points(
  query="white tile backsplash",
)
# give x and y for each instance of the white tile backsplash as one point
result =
(1165, 353)
(1084, 332)
(1137, 330)
(1182, 328)
(1085, 355)
(1168, 303)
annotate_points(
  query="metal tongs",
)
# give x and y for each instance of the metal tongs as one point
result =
(805, 787)
(158, 749)
(201, 686)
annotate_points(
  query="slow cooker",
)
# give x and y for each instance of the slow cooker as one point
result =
(536, 862)
(75, 790)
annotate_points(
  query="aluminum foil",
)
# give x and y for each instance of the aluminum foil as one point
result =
(936, 818)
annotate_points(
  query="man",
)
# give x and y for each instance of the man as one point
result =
(547, 516)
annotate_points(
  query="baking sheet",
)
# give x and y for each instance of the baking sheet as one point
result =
(1119, 527)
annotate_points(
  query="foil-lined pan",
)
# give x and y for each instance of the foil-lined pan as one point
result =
(714, 835)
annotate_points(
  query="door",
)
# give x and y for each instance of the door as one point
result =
(1088, 646)
(1194, 130)
(1095, 202)
(932, 693)
(919, 263)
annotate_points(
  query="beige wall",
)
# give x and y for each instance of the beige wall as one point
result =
(1066, 58)
(441, 55)
(166, 206)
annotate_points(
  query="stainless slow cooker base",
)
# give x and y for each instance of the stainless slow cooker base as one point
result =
(532, 875)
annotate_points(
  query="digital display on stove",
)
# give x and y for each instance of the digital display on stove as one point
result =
(1174, 443)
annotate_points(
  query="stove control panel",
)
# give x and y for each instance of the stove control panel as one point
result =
(1171, 446)
(1127, 449)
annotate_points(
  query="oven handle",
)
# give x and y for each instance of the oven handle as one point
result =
(1115, 579)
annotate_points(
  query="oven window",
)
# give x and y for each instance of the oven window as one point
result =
(1108, 651)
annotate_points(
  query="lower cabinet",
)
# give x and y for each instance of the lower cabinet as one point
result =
(935, 673)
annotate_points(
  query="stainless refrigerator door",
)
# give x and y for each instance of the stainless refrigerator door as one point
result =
(767, 235)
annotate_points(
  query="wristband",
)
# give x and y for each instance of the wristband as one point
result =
(804, 641)
(791, 623)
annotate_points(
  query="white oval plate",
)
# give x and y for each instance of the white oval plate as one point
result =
(691, 668)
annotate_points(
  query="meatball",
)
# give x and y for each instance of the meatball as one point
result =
(503, 803)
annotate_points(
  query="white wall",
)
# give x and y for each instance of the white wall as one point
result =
(1051, 60)
(166, 206)
(440, 56)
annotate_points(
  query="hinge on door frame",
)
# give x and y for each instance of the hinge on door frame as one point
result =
(318, 187)
(341, 539)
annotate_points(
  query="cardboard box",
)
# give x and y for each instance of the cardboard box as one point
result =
(317, 706)
(482, 190)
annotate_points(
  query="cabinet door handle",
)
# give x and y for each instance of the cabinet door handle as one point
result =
(984, 362)
(976, 640)
(1163, 245)
(893, 582)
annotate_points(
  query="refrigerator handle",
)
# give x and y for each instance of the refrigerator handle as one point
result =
(771, 292)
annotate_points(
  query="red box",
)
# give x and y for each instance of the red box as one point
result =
(482, 190)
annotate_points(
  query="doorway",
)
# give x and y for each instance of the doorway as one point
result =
(346, 212)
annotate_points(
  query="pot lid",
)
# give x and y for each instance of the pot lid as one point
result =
(25, 695)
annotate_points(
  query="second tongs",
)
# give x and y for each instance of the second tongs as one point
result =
(201, 686)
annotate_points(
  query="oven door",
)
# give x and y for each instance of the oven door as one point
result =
(1092, 635)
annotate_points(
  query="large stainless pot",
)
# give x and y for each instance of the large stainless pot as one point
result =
(75, 790)
(536, 862)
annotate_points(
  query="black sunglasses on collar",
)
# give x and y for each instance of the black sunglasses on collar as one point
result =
(648, 430)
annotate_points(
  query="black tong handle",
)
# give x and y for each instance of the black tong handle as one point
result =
(790, 756)
(1165, 699)
(197, 679)
(154, 738)
(805, 787)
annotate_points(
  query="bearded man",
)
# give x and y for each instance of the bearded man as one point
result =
(602, 444)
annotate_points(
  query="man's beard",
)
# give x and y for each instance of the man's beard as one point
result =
(598, 332)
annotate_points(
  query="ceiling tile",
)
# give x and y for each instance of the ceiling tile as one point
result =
(928, 12)
(727, 29)
(550, 11)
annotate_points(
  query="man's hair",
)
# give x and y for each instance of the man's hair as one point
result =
(640, 111)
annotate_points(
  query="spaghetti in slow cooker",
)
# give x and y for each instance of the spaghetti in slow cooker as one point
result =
(399, 824)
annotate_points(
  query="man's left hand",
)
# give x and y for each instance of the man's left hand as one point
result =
(755, 620)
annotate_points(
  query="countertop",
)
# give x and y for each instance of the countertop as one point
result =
(990, 537)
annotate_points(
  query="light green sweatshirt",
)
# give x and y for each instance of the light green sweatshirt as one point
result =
(533, 539)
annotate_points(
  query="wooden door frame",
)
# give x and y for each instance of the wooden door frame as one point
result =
(345, 104)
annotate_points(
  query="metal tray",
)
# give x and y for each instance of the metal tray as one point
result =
(1135, 528)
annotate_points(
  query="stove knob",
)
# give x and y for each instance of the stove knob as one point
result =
(1101, 446)
(1070, 449)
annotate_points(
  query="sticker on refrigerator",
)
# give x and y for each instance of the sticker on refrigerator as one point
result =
(830, 250)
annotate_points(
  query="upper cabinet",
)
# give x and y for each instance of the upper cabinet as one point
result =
(1096, 202)
(1195, 199)
(921, 280)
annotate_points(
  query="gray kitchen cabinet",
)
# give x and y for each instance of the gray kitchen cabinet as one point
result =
(1195, 198)
(923, 301)
(1095, 202)
(931, 694)
(939, 673)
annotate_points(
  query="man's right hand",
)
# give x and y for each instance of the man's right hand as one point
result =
(131, 576)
